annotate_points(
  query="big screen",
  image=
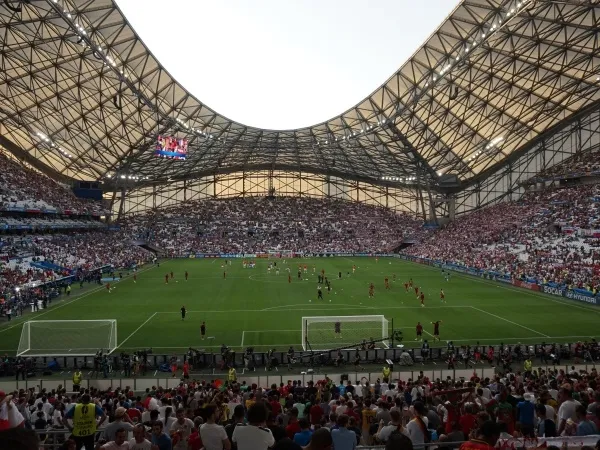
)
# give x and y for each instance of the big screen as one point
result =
(171, 147)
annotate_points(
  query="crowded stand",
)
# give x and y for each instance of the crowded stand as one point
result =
(42, 265)
(23, 189)
(507, 410)
(578, 165)
(546, 236)
(260, 224)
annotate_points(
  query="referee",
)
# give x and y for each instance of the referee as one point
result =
(183, 311)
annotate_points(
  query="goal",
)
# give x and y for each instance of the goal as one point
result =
(318, 332)
(67, 337)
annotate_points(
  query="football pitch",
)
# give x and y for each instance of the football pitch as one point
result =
(252, 307)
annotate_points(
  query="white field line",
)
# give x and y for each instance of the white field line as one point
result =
(287, 331)
(501, 285)
(273, 308)
(136, 330)
(312, 309)
(427, 332)
(510, 321)
(34, 316)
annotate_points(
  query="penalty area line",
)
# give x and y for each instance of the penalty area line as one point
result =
(35, 315)
(136, 330)
(510, 321)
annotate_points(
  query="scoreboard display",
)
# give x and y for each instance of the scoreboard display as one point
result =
(171, 147)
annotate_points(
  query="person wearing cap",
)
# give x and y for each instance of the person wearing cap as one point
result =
(122, 420)
(83, 415)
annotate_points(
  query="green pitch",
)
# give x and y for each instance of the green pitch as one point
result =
(254, 308)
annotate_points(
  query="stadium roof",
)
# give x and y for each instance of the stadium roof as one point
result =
(82, 94)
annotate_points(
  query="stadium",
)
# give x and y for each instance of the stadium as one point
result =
(446, 227)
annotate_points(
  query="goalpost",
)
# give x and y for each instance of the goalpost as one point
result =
(67, 337)
(320, 332)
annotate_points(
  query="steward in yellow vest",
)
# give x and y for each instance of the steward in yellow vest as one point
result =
(232, 376)
(386, 373)
(77, 378)
(83, 415)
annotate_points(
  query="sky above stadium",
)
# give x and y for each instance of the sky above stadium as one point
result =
(283, 64)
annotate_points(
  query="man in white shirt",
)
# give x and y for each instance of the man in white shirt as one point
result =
(213, 435)
(567, 408)
(254, 436)
(183, 427)
(118, 444)
(139, 441)
(391, 391)
(47, 407)
(384, 432)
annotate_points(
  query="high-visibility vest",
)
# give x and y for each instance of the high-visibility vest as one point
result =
(528, 365)
(77, 378)
(232, 374)
(386, 372)
(84, 419)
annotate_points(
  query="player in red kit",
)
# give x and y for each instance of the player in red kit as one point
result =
(422, 298)
(436, 330)
(171, 275)
(186, 275)
(371, 290)
(419, 330)
(167, 279)
(387, 283)
(108, 287)
(406, 286)
(134, 277)
(417, 291)
(442, 296)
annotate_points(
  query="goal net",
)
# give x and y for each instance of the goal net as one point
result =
(67, 337)
(321, 332)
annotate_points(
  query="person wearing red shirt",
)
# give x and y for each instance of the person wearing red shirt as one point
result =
(467, 421)
(146, 402)
(316, 413)
(275, 406)
(293, 425)
(194, 441)
(186, 370)
(350, 411)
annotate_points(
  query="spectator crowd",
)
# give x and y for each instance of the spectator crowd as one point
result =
(539, 237)
(323, 414)
(25, 188)
(259, 224)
